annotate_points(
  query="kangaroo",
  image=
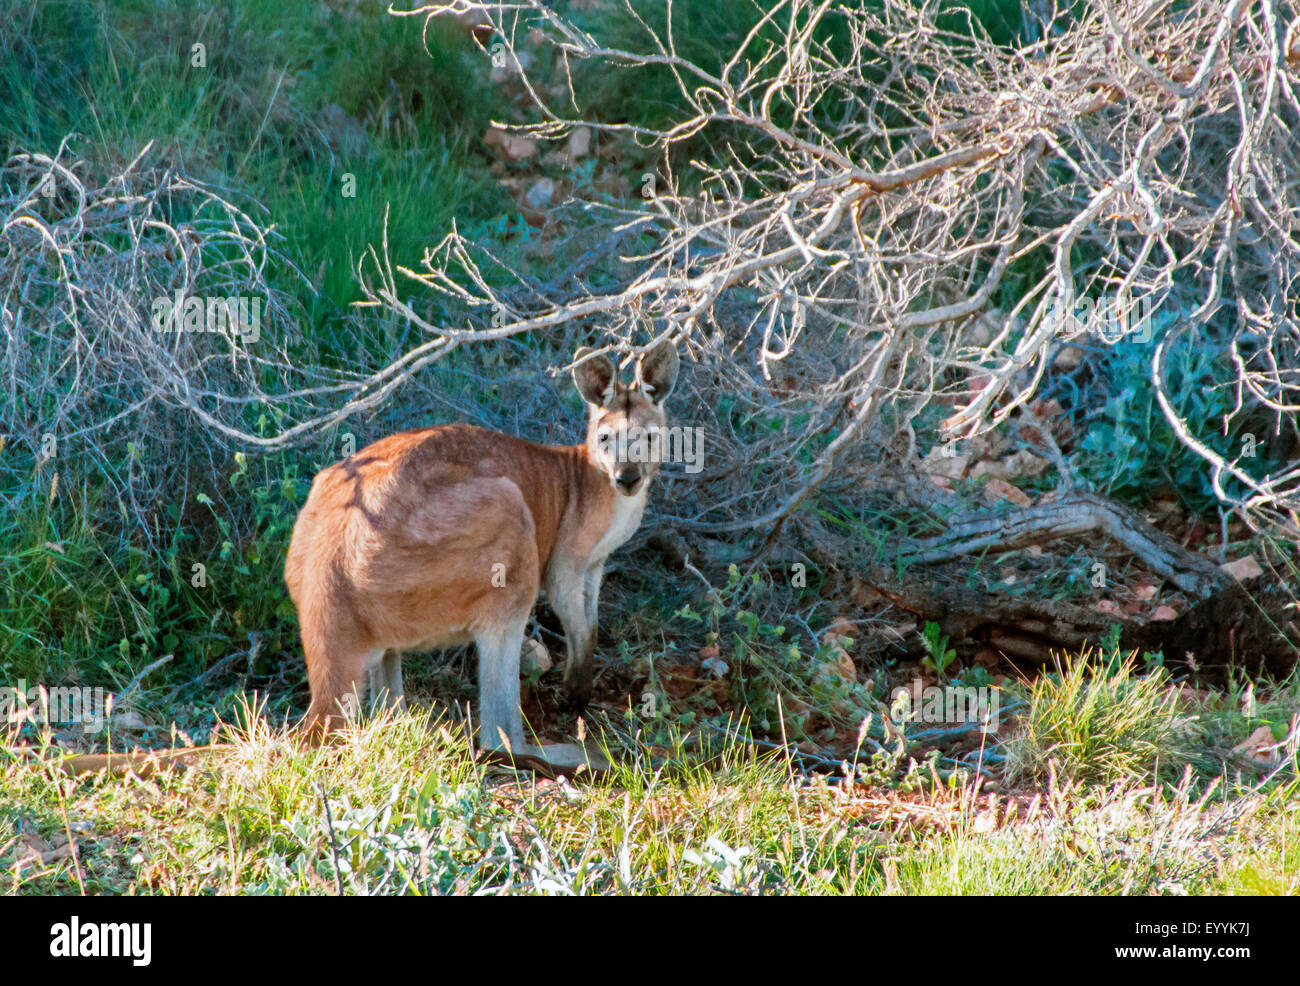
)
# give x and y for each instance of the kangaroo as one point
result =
(441, 536)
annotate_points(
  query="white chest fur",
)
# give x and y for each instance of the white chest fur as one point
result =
(622, 525)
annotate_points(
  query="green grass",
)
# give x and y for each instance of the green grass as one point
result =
(249, 119)
(1271, 867)
(80, 605)
(1100, 792)
(397, 807)
(708, 32)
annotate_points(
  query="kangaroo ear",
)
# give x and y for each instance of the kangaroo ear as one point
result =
(594, 378)
(656, 371)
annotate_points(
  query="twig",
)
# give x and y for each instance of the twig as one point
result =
(334, 845)
(125, 694)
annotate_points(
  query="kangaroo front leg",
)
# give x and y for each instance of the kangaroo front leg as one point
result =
(579, 668)
(584, 667)
(568, 599)
(591, 595)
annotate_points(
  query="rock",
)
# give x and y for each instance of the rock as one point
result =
(946, 462)
(513, 146)
(1068, 358)
(981, 330)
(838, 631)
(862, 594)
(129, 719)
(839, 666)
(1260, 748)
(579, 145)
(1025, 463)
(535, 656)
(1015, 466)
(999, 489)
(538, 198)
(1243, 568)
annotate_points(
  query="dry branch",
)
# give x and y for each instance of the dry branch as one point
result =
(1074, 514)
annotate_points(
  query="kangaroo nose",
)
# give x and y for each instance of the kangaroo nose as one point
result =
(626, 477)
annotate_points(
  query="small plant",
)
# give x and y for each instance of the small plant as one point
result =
(788, 691)
(1110, 642)
(731, 869)
(1130, 449)
(938, 654)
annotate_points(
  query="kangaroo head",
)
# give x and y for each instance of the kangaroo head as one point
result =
(625, 422)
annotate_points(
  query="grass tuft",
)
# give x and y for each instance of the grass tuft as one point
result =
(1100, 722)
